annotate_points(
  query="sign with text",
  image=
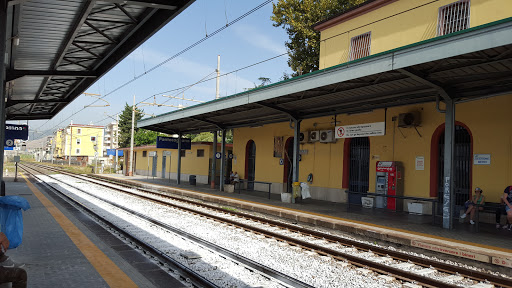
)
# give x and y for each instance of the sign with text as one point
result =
(361, 130)
(172, 143)
(420, 163)
(13, 132)
(112, 152)
(482, 159)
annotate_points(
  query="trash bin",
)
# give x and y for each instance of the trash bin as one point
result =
(296, 189)
(192, 180)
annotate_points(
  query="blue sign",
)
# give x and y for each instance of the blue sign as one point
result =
(112, 152)
(8, 148)
(13, 132)
(218, 155)
(172, 143)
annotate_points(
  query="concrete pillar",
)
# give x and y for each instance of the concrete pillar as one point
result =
(3, 25)
(448, 179)
(178, 177)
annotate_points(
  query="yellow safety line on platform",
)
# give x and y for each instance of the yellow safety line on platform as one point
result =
(343, 219)
(112, 274)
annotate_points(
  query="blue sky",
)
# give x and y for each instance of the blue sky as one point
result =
(251, 40)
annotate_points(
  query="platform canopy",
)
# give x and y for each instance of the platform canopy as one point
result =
(465, 65)
(56, 49)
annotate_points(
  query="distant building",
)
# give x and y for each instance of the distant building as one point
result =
(111, 137)
(80, 142)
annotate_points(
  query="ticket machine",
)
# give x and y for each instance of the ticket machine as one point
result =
(389, 181)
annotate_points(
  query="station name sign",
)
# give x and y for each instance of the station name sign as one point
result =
(172, 143)
(15, 132)
(361, 130)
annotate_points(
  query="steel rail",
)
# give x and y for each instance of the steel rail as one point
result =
(241, 259)
(451, 269)
(196, 280)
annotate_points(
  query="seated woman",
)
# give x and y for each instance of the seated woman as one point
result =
(235, 179)
(478, 199)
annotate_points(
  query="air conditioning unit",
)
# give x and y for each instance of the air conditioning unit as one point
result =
(327, 136)
(411, 119)
(314, 136)
(303, 137)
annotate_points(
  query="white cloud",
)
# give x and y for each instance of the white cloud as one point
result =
(259, 39)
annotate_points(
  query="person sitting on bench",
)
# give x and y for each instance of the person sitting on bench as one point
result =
(501, 211)
(507, 199)
(478, 199)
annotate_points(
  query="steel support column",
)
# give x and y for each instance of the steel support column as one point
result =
(3, 25)
(214, 160)
(223, 160)
(449, 151)
(178, 177)
(296, 143)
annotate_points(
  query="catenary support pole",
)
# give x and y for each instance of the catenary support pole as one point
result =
(223, 160)
(70, 142)
(3, 24)
(130, 173)
(296, 142)
(448, 180)
(214, 160)
(179, 159)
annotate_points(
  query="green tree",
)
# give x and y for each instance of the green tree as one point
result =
(125, 125)
(141, 136)
(297, 17)
(208, 137)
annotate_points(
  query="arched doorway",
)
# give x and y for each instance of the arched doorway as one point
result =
(288, 164)
(250, 163)
(462, 165)
(358, 166)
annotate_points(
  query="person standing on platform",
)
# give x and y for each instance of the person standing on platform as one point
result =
(10, 272)
(236, 178)
(507, 198)
(478, 199)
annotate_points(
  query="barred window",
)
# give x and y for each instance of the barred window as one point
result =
(453, 17)
(200, 152)
(360, 46)
(144, 153)
(183, 153)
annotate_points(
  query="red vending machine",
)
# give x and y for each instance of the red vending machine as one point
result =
(389, 181)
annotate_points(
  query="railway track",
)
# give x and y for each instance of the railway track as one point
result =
(186, 274)
(376, 258)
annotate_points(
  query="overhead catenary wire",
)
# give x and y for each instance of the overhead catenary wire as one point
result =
(168, 59)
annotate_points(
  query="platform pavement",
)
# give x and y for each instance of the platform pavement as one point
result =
(399, 227)
(58, 255)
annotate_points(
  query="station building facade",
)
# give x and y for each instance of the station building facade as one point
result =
(163, 163)
(483, 125)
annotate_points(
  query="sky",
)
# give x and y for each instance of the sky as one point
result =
(248, 41)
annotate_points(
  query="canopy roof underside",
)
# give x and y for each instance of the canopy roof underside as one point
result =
(464, 66)
(56, 49)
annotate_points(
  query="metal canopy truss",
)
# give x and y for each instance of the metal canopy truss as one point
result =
(59, 48)
(468, 64)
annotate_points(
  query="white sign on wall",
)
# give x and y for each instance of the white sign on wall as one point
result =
(167, 153)
(420, 163)
(361, 130)
(152, 153)
(482, 159)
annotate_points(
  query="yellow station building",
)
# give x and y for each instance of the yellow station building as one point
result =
(163, 163)
(406, 66)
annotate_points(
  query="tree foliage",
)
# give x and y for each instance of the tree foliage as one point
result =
(208, 137)
(141, 137)
(297, 17)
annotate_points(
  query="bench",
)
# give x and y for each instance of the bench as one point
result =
(488, 207)
(254, 182)
(432, 200)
